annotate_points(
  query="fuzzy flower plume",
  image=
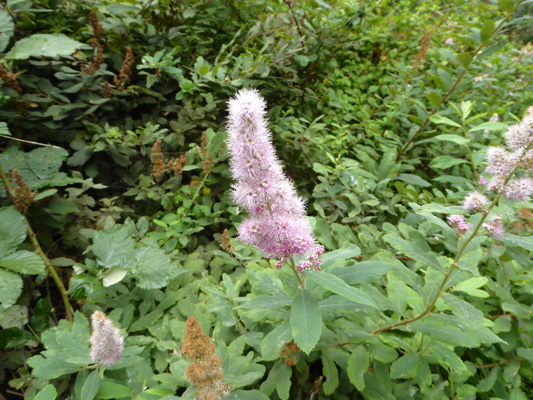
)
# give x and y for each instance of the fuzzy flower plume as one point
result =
(205, 372)
(494, 227)
(475, 201)
(276, 221)
(458, 223)
(106, 342)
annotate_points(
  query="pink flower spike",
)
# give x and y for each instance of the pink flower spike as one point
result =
(276, 223)
(519, 189)
(458, 222)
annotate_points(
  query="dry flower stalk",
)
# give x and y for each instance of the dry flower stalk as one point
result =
(159, 167)
(420, 57)
(23, 195)
(125, 72)
(98, 33)
(226, 243)
(205, 372)
(10, 79)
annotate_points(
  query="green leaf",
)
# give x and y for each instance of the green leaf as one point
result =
(357, 366)
(91, 386)
(4, 129)
(45, 162)
(432, 326)
(346, 252)
(398, 294)
(413, 180)
(111, 390)
(453, 138)
(66, 349)
(525, 242)
(114, 246)
(10, 290)
(506, 5)
(47, 393)
(488, 381)
(113, 275)
(329, 369)
(12, 230)
(24, 262)
(43, 45)
(464, 58)
(45, 194)
(151, 267)
(439, 119)
(414, 250)
(405, 367)
(363, 272)
(273, 342)
(470, 286)
(338, 286)
(444, 162)
(246, 395)
(7, 27)
(306, 321)
(279, 379)
(146, 321)
(435, 98)
(490, 126)
(487, 30)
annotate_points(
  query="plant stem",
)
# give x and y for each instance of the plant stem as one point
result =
(474, 53)
(40, 252)
(292, 264)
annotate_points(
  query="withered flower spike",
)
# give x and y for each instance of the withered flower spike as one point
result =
(23, 195)
(205, 372)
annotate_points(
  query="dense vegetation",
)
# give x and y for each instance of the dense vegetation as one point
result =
(116, 197)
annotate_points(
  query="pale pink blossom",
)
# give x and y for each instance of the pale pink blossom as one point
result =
(500, 161)
(519, 189)
(475, 201)
(106, 342)
(276, 223)
(494, 227)
(458, 223)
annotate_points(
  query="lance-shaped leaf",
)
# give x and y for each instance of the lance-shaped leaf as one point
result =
(306, 321)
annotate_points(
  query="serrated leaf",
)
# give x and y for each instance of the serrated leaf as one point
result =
(66, 349)
(357, 366)
(10, 290)
(445, 162)
(439, 119)
(47, 393)
(7, 27)
(151, 267)
(346, 252)
(43, 45)
(114, 246)
(4, 129)
(305, 320)
(338, 286)
(363, 272)
(24, 262)
(414, 250)
(279, 379)
(46, 161)
(12, 230)
(405, 367)
(91, 386)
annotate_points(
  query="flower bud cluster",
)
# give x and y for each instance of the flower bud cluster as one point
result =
(276, 223)
(106, 342)
(458, 223)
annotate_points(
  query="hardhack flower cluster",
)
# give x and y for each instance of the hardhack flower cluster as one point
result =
(106, 342)
(276, 222)
(503, 163)
(458, 223)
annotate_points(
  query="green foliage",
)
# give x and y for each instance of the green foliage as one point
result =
(382, 124)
